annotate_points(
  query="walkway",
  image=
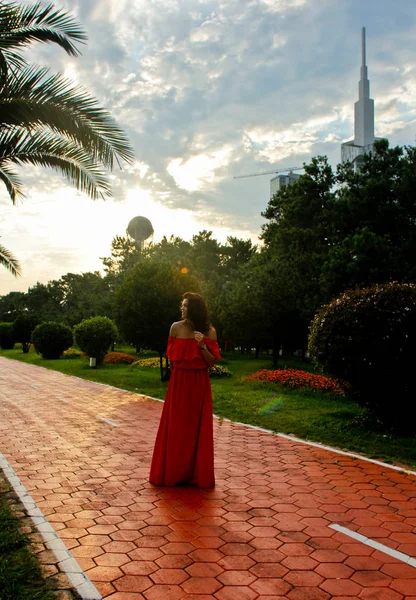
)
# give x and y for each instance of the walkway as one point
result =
(82, 450)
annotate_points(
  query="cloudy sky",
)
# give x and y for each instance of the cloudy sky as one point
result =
(207, 90)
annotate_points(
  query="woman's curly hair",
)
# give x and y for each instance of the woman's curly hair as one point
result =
(197, 312)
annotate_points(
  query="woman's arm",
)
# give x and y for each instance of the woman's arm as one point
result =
(206, 354)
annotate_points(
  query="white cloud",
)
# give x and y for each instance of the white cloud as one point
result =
(193, 174)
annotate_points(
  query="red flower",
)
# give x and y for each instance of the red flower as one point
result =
(295, 379)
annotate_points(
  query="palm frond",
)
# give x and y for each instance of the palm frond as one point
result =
(47, 149)
(12, 182)
(9, 261)
(33, 98)
(20, 25)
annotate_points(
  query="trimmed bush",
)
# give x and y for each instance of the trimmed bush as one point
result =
(367, 338)
(23, 325)
(50, 339)
(7, 339)
(95, 336)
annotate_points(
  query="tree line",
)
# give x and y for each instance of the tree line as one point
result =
(330, 231)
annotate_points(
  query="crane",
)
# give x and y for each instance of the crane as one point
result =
(290, 169)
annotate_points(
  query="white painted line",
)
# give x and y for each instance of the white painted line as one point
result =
(151, 398)
(109, 421)
(369, 542)
(68, 564)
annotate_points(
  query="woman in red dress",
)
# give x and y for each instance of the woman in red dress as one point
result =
(184, 447)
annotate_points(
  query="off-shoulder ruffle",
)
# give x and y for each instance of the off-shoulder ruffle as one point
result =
(187, 349)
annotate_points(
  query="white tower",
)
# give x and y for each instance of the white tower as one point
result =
(363, 117)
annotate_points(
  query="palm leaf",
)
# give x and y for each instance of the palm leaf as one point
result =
(21, 25)
(33, 98)
(47, 149)
(9, 261)
(11, 181)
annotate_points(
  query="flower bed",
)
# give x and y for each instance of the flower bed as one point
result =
(297, 379)
(72, 353)
(150, 363)
(219, 371)
(119, 358)
(154, 363)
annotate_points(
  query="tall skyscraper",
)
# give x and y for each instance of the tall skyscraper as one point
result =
(363, 117)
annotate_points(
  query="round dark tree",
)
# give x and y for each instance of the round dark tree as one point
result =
(23, 325)
(50, 339)
(95, 336)
(7, 338)
(366, 337)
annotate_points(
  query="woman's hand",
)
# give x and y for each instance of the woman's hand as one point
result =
(199, 337)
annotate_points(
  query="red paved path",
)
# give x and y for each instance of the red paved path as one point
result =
(262, 533)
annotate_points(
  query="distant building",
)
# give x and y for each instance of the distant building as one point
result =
(280, 181)
(363, 141)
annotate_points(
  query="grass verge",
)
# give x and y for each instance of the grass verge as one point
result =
(310, 415)
(20, 572)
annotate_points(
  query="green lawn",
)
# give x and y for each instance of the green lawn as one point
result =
(338, 422)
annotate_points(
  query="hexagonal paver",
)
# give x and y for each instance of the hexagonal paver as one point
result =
(177, 548)
(204, 570)
(104, 573)
(236, 578)
(133, 583)
(164, 592)
(201, 585)
(235, 549)
(169, 576)
(236, 562)
(142, 567)
(111, 559)
(237, 592)
(174, 561)
(269, 570)
(206, 555)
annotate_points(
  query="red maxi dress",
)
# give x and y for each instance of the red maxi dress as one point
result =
(184, 447)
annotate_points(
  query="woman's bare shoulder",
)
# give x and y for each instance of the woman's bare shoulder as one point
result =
(177, 329)
(212, 334)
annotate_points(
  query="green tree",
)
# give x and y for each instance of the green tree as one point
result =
(11, 305)
(44, 302)
(236, 254)
(299, 234)
(374, 222)
(147, 303)
(124, 255)
(85, 295)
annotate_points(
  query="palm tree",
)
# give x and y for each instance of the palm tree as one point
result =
(44, 119)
